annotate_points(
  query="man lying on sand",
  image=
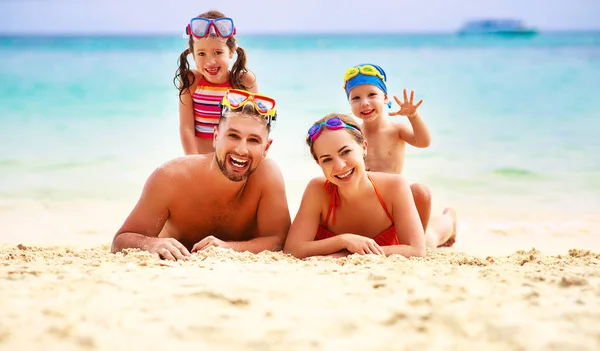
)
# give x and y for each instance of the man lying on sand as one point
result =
(232, 198)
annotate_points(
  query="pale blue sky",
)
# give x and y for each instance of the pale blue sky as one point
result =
(257, 16)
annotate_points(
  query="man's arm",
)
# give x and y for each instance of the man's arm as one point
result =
(273, 215)
(146, 220)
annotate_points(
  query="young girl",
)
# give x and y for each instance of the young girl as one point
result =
(351, 210)
(212, 43)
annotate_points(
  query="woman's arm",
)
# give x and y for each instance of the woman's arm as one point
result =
(300, 241)
(406, 219)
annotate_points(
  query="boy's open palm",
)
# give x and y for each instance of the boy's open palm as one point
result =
(407, 107)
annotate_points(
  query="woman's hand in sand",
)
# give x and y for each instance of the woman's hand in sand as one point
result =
(208, 242)
(339, 254)
(407, 107)
(167, 249)
(361, 245)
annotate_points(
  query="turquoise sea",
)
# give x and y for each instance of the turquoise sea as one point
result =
(515, 121)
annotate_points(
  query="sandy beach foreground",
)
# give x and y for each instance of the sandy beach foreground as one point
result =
(86, 298)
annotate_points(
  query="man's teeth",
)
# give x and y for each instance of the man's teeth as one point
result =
(238, 162)
(342, 176)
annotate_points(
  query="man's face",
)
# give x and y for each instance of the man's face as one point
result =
(241, 142)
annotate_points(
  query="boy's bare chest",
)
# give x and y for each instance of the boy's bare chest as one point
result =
(385, 153)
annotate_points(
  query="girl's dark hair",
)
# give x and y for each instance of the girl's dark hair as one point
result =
(184, 77)
(356, 133)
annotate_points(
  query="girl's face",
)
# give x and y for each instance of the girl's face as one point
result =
(340, 156)
(212, 57)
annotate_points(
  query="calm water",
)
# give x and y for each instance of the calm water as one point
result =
(514, 121)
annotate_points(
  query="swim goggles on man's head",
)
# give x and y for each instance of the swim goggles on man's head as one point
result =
(333, 123)
(368, 70)
(201, 27)
(236, 99)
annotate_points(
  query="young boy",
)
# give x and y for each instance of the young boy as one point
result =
(366, 90)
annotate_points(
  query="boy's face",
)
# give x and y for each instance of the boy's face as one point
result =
(367, 102)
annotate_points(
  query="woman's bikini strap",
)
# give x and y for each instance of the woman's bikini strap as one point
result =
(332, 190)
(381, 201)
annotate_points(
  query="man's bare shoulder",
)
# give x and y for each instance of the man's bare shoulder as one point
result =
(182, 167)
(268, 170)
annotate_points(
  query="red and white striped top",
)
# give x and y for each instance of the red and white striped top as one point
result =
(206, 99)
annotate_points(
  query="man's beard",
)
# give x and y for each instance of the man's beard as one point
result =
(234, 176)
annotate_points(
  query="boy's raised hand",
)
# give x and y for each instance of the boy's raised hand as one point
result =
(407, 107)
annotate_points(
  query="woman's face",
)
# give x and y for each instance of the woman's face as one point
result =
(340, 156)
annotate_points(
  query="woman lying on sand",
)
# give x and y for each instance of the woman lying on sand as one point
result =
(351, 210)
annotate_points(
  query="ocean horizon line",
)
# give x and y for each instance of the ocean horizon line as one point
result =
(266, 34)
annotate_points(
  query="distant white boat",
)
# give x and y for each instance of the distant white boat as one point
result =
(508, 27)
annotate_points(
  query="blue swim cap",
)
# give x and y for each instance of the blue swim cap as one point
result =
(366, 73)
(355, 76)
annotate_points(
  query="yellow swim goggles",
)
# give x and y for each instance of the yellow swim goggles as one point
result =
(367, 70)
(235, 99)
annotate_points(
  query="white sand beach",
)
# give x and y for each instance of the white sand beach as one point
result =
(504, 286)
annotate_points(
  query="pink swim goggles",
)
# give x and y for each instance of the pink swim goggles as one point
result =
(332, 124)
(201, 27)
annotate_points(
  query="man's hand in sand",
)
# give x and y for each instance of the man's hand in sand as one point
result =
(208, 242)
(361, 245)
(167, 248)
(407, 107)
